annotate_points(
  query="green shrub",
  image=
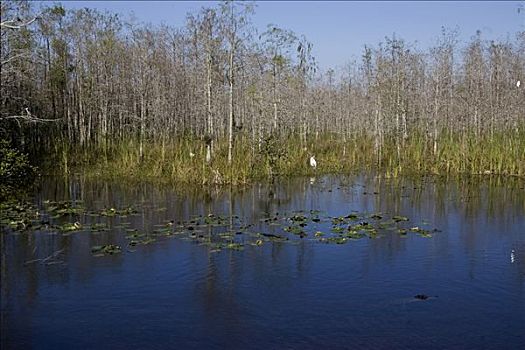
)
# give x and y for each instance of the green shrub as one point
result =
(16, 172)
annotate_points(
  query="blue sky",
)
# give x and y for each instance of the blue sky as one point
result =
(340, 29)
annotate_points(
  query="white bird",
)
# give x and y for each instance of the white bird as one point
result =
(512, 257)
(208, 153)
(192, 154)
(313, 163)
(518, 83)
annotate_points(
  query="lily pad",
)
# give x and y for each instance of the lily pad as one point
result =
(67, 227)
(398, 218)
(337, 240)
(235, 246)
(109, 249)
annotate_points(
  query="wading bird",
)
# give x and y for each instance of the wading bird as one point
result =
(518, 83)
(208, 153)
(313, 163)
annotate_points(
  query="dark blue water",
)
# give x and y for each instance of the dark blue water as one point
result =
(297, 294)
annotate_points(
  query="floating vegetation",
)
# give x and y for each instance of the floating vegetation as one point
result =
(398, 218)
(298, 219)
(135, 235)
(273, 237)
(98, 227)
(215, 231)
(68, 227)
(165, 231)
(19, 216)
(214, 220)
(402, 231)
(354, 235)
(336, 240)
(352, 216)
(337, 229)
(143, 241)
(421, 232)
(298, 224)
(63, 208)
(296, 230)
(108, 212)
(234, 246)
(118, 212)
(138, 238)
(102, 250)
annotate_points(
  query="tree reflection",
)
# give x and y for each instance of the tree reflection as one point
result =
(474, 213)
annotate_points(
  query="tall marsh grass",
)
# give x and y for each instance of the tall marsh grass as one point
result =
(183, 159)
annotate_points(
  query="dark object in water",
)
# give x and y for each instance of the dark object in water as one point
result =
(421, 297)
(271, 235)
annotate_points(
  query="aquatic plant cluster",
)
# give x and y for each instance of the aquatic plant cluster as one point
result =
(217, 232)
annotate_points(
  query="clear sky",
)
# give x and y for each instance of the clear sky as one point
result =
(340, 29)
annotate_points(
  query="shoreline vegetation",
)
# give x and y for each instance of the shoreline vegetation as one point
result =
(218, 101)
(184, 160)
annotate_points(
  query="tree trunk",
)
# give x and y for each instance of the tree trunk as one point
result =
(230, 122)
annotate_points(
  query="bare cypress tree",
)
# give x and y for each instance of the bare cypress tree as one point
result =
(113, 82)
(235, 26)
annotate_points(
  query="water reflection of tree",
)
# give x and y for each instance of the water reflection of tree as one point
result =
(495, 199)
(477, 204)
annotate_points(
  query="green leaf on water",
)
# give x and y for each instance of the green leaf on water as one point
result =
(337, 240)
(235, 246)
(337, 229)
(399, 218)
(108, 249)
(67, 227)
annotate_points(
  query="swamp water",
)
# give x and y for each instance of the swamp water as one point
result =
(309, 263)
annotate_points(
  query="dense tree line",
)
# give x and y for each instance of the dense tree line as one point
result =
(91, 79)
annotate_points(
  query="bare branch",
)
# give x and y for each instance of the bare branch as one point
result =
(17, 23)
(28, 117)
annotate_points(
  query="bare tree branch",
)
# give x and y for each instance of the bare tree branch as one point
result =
(28, 117)
(17, 23)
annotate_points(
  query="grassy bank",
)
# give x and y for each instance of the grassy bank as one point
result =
(183, 159)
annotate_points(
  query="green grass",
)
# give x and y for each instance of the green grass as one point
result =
(501, 153)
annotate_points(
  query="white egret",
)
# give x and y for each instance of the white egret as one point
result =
(192, 154)
(208, 153)
(518, 83)
(313, 163)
